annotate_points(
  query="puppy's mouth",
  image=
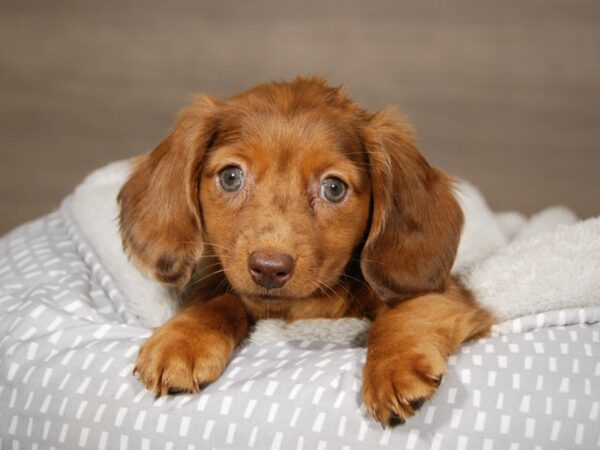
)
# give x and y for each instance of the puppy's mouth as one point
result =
(272, 296)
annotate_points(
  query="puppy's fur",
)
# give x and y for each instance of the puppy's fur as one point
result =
(383, 252)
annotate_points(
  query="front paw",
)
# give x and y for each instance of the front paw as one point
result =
(178, 358)
(396, 383)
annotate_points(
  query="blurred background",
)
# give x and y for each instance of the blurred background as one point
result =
(503, 93)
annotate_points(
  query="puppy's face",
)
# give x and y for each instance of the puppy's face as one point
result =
(283, 186)
(285, 201)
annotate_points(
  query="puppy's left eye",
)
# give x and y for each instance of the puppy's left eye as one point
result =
(231, 178)
(333, 189)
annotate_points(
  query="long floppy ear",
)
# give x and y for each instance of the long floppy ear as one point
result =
(415, 220)
(160, 218)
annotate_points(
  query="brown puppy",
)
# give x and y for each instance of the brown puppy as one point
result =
(290, 201)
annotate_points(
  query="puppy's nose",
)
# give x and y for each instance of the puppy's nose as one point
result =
(270, 270)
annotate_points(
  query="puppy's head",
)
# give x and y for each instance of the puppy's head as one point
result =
(288, 184)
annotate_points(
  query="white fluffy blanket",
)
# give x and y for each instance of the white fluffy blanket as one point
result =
(516, 266)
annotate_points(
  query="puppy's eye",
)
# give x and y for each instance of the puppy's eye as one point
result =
(231, 178)
(333, 189)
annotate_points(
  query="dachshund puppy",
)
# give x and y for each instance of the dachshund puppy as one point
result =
(290, 201)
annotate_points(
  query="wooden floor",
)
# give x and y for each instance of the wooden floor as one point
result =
(503, 93)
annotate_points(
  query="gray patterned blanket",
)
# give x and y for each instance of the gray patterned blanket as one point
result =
(68, 341)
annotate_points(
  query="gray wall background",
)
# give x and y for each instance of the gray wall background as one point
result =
(503, 93)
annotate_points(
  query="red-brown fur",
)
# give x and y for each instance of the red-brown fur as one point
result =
(384, 252)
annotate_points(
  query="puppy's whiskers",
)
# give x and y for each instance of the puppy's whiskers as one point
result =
(207, 276)
(217, 264)
(366, 260)
(318, 289)
(349, 299)
(207, 255)
(326, 289)
(210, 244)
(227, 287)
(356, 279)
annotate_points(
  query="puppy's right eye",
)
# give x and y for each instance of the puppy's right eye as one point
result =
(231, 178)
(333, 189)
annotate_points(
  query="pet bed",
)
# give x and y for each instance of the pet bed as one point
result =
(73, 313)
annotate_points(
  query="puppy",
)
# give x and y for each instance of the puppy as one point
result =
(291, 201)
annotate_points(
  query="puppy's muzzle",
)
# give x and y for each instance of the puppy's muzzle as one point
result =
(270, 270)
